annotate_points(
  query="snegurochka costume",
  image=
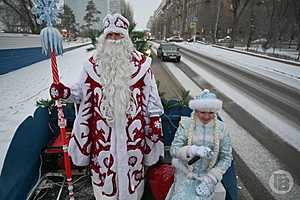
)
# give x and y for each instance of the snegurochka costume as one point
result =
(200, 180)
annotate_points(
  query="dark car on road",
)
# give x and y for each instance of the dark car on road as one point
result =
(168, 51)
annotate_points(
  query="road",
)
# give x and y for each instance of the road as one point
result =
(258, 149)
(167, 84)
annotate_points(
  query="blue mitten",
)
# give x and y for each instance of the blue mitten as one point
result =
(206, 187)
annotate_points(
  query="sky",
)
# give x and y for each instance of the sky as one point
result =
(143, 9)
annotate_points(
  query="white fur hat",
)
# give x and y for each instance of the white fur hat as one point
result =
(115, 23)
(206, 102)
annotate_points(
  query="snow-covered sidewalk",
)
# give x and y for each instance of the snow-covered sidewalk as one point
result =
(21, 89)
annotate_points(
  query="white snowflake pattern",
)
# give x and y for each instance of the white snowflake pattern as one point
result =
(54, 92)
(157, 124)
(66, 93)
(47, 11)
(154, 138)
(138, 176)
(132, 161)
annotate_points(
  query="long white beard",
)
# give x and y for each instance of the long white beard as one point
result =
(115, 70)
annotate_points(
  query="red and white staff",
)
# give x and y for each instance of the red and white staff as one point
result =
(48, 11)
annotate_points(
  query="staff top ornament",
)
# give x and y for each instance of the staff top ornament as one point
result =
(48, 11)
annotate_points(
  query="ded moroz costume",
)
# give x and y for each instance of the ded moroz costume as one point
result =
(116, 144)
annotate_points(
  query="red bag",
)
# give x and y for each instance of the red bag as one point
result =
(160, 178)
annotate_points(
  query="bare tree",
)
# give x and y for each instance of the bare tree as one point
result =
(22, 8)
(127, 11)
(283, 22)
(220, 4)
(296, 5)
(279, 22)
(184, 16)
(252, 26)
(238, 8)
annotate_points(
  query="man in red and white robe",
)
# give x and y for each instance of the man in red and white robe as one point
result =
(117, 131)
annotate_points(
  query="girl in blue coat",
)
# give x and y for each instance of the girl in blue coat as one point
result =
(203, 138)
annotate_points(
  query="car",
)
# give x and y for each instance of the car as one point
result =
(198, 38)
(151, 38)
(259, 41)
(175, 39)
(168, 51)
(225, 39)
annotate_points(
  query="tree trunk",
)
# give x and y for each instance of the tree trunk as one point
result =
(12, 6)
(297, 16)
(23, 10)
(233, 33)
(184, 16)
(217, 21)
(270, 34)
(28, 16)
(237, 13)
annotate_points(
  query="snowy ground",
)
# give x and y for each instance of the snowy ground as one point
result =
(286, 130)
(21, 89)
(288, 74)
(292, 53)
(274, 121)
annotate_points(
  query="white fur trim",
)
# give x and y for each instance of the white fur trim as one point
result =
(182, 153)
(144, 68)
(179, 165)
(121, 156)
(77, 157)
(206, 105)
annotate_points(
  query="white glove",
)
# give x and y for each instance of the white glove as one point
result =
(201, 151)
